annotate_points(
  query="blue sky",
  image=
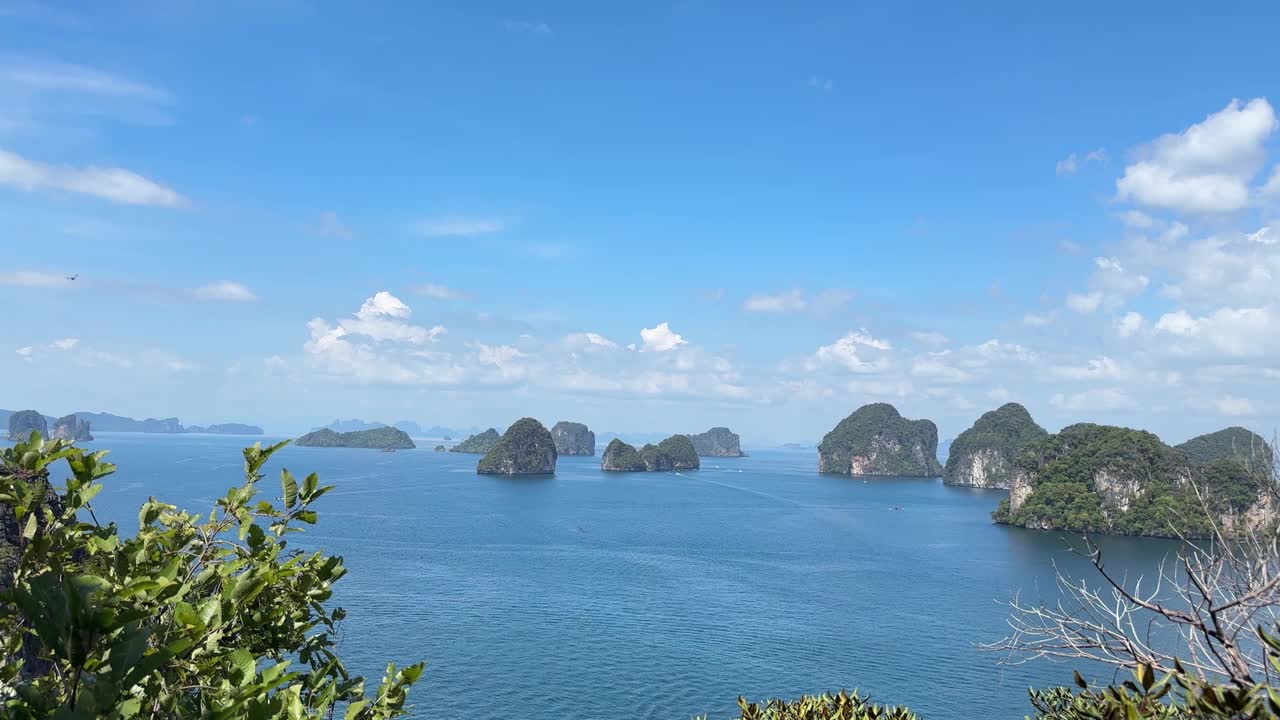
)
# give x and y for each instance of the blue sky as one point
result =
(286, 212)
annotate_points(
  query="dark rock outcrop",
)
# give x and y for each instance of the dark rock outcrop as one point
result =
(621, 457)
(23, 422)
(478, 444)
(70, 427)
(674, 453)
(383, 438)
(717, 442)
(573, 438)
(440, 448)
(983, 456)
(877, 440)
(526, 448)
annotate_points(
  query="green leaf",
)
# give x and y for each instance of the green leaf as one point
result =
(290, 488)
(354, 709)
(29, 531)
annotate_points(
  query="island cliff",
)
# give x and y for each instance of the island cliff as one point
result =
(70, 427)
(621, 457)
(983, 456)
(383, 438)
(1099, 478)
(877, 440)
(23, 422)
(717, 442)
(526, 448)
(674, 453)
(478, 444)
(573, 438)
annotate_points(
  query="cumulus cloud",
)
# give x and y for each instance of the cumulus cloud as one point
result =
(1128, 324)
(1099, 368)
(109, 183)
(1084, 303)
(1230, 331)
(848, 353)
(224, 290)
(590, 340)
(1206, 168)
(1039, 319)
(1235, 406)
(660, 338)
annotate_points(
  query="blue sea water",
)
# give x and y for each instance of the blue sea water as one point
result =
(650, 595)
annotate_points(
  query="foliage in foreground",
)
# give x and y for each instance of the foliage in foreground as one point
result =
(843, 705)
(196, 616)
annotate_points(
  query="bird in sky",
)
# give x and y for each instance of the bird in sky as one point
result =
(73, 277)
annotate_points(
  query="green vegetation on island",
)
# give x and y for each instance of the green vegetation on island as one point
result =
(877, 440)
(382, 438)
(1100, 478)
(573, 438)
(984, 455)
(526, 448)
(621, 457)
(478, 444)
(1233, 443)
(440, 448)
(674, 453)
(717, 442)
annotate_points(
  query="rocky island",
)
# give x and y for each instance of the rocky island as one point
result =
(526, 448)
(21, 424)
(225, 429)
(440, 448)
(983, 456)
(674, 453)
(877, 440)
(621, 457)
(573, 438)
(478, 444)
(717, 442)
(70, 427)
(382, 438)
(1100, 478)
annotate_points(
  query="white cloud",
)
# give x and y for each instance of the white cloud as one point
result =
(1264, 236)
(934, 339)
(1071, 163)
(790, 301)
(1039, 319)
(225, 290)
(1100, 399)
(330, 225)
(1235, 406)
(382, 318)
(1128, 324)
(65, 76)
(114, 184)
(25, 352)
(1099, 368)
(66, 343)
(459, 226)
(937, 367)
(590, 340)
(1231, 331)
(1084, 303)
(1206, 168)
(847, 353)
(34, 279)
(440, 292)
(660, 338)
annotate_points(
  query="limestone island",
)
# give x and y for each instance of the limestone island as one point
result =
(877, 440)
(674, 453)
(983, 456)
(526, 448)
(440, 448)
(1105, 479)
(70, 427)
(717, 442)
(573, 438)
(23, 422)
(382, 438)
(478, 444)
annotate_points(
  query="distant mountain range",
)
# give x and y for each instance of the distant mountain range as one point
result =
(409, 426)
(107, 422)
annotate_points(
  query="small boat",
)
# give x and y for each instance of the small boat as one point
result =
(388, 449)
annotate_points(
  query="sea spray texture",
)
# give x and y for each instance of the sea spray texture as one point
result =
(535, 586)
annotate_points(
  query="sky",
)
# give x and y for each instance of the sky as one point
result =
(650, 217)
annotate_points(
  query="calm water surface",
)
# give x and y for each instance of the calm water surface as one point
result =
(589, 595)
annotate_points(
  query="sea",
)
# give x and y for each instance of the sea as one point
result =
(591, 595)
